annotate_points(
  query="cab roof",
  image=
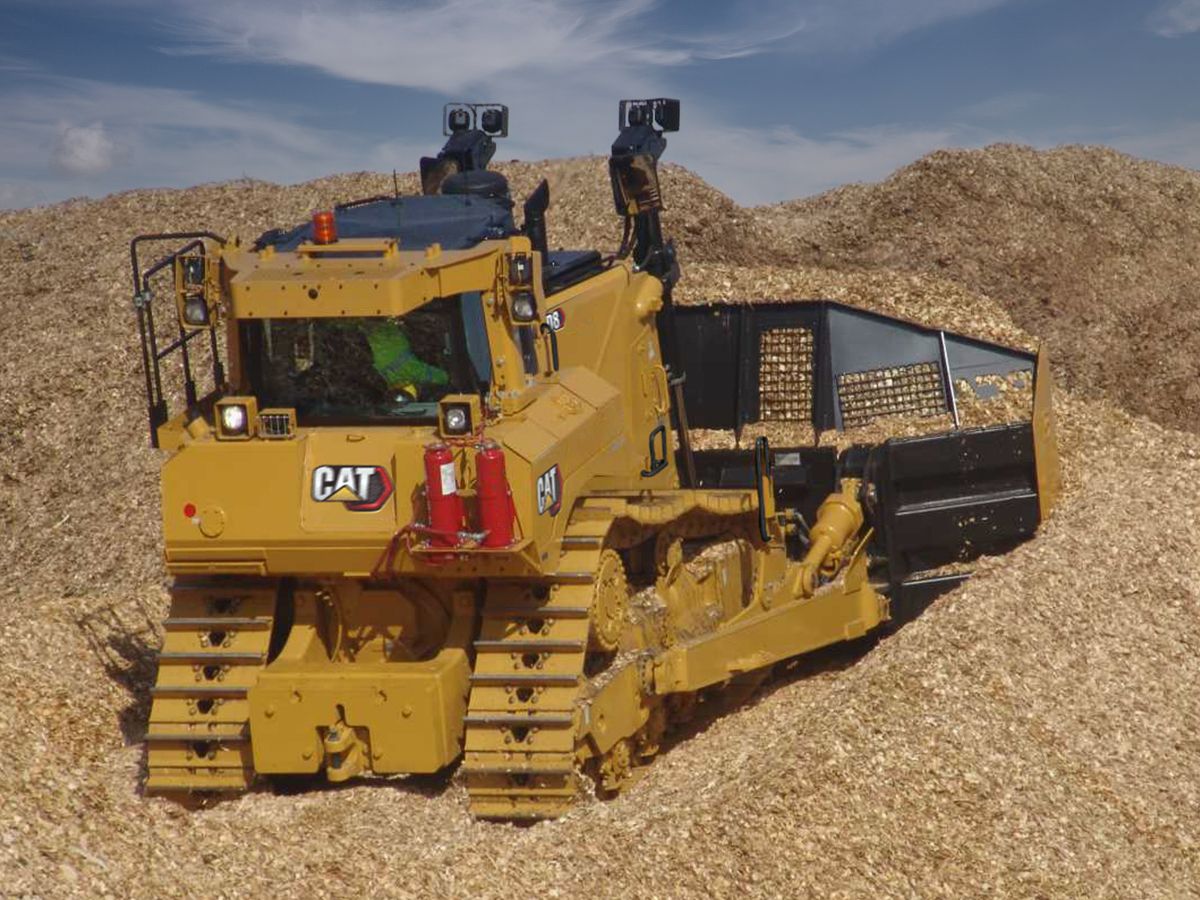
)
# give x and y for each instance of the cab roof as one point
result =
(456, 222)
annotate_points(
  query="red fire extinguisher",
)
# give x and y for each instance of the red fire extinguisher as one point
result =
(495, 497)
(441, 492)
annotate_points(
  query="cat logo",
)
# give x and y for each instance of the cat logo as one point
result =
(549, 491)
(360, 488)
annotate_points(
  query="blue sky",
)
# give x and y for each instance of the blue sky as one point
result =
(781, 98)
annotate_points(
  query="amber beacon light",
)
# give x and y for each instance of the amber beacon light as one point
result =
(324, 227)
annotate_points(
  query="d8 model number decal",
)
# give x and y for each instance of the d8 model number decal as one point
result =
(556, 319)
(359, 488)
(549, 491)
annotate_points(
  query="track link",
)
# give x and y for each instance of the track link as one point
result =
(215, 644)
(523, 715)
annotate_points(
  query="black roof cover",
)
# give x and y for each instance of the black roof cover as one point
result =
(455, 222)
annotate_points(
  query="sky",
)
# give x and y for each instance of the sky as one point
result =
(780, 98)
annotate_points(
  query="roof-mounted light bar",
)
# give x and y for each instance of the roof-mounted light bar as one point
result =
(490, 118)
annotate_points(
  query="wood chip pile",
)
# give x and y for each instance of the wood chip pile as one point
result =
(1036, 733)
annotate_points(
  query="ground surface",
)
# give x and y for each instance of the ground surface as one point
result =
(1036, 733)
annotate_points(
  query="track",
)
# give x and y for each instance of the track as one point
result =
(562, 691)
(216, 641)
(530, 658)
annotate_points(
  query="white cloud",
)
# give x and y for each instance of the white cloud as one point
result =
(450, 46)
(769, 165)
(560, 64)
(453, 45)
(1176, 18)
(838, 26)
(84, 149)
(167, 136)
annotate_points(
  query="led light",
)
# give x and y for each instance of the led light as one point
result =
(492, 121)
(195, 311)
(233, 418)
(456, 419)
(523, 309)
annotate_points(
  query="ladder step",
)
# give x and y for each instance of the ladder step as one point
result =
(219, 622)
(188, 690)
(518, 645)
(541, 720)
(525, 678)
(229, 656)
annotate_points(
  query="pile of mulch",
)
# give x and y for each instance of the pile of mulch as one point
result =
(1034, 734)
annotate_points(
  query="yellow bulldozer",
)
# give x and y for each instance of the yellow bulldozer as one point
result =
(432, 498)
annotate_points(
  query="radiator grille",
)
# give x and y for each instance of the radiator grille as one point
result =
(785, 375)
(914, 390)
(276, 424)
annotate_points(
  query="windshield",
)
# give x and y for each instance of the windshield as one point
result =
(370, 368)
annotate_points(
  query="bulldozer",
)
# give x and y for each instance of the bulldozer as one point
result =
(431, 495)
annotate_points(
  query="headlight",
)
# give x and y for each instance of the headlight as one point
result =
(236, 417)
(233, 418)
(523, 308)
(458, 415)
(195, 311)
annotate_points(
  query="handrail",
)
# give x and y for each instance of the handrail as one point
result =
(151, 354)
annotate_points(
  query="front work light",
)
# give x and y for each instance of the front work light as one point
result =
(524, 309)
(235, 418)
(458, 415)
(195, 311)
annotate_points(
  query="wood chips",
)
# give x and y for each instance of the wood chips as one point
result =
(1035, 734)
